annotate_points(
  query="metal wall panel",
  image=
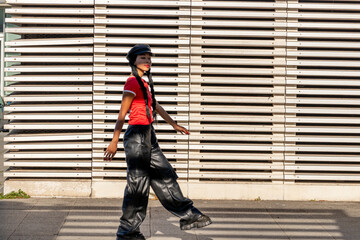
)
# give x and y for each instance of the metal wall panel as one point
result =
(237, 91)
(322, 97)
(49, 84)
(268, 89)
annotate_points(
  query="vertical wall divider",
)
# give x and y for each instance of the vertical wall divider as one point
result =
(290, 124)
(280, 29)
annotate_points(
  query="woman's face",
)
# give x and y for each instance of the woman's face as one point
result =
(143, 62)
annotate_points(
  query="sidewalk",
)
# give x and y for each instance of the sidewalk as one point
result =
(97, 219)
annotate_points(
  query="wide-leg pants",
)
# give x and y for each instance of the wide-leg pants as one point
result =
(147, 166)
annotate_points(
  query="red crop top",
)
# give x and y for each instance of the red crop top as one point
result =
(138, 114)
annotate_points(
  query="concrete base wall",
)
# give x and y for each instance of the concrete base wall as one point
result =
(194, 190)
(108, 189)
(301, 192)
(115, 189)
(48, 188)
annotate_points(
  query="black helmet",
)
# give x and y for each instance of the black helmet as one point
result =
(136, 50)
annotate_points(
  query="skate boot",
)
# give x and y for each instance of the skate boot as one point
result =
(197, 222)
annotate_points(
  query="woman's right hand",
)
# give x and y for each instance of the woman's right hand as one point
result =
(110, 151)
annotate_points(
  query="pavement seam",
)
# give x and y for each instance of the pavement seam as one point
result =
(322, 226)
(277, 223)
(63, 223)
(196, 235)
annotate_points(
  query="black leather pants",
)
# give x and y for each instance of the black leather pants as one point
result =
(147, 166)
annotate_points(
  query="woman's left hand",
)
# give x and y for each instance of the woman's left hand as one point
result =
(181, 129)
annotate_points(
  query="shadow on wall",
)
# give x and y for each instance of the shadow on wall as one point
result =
(88, 219)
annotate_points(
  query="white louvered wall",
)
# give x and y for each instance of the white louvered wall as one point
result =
(49, 78)
(268, 89)
(322, 93)
(237, 91)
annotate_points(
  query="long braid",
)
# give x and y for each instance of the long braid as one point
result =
(149, 75)
(143, 89)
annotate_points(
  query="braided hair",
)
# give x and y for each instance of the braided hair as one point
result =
(143, 89)
(131, 56)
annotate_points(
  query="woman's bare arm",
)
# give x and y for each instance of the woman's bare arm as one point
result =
(125, 106)
(169, 120)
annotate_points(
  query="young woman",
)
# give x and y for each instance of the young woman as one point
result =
(146, 164)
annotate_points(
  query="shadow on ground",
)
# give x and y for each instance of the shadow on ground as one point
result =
(69, 219)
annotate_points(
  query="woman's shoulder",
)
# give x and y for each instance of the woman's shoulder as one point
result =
(131, 78)
(131, 84)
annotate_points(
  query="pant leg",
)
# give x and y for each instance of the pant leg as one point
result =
(137, 146)
(163, 182)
